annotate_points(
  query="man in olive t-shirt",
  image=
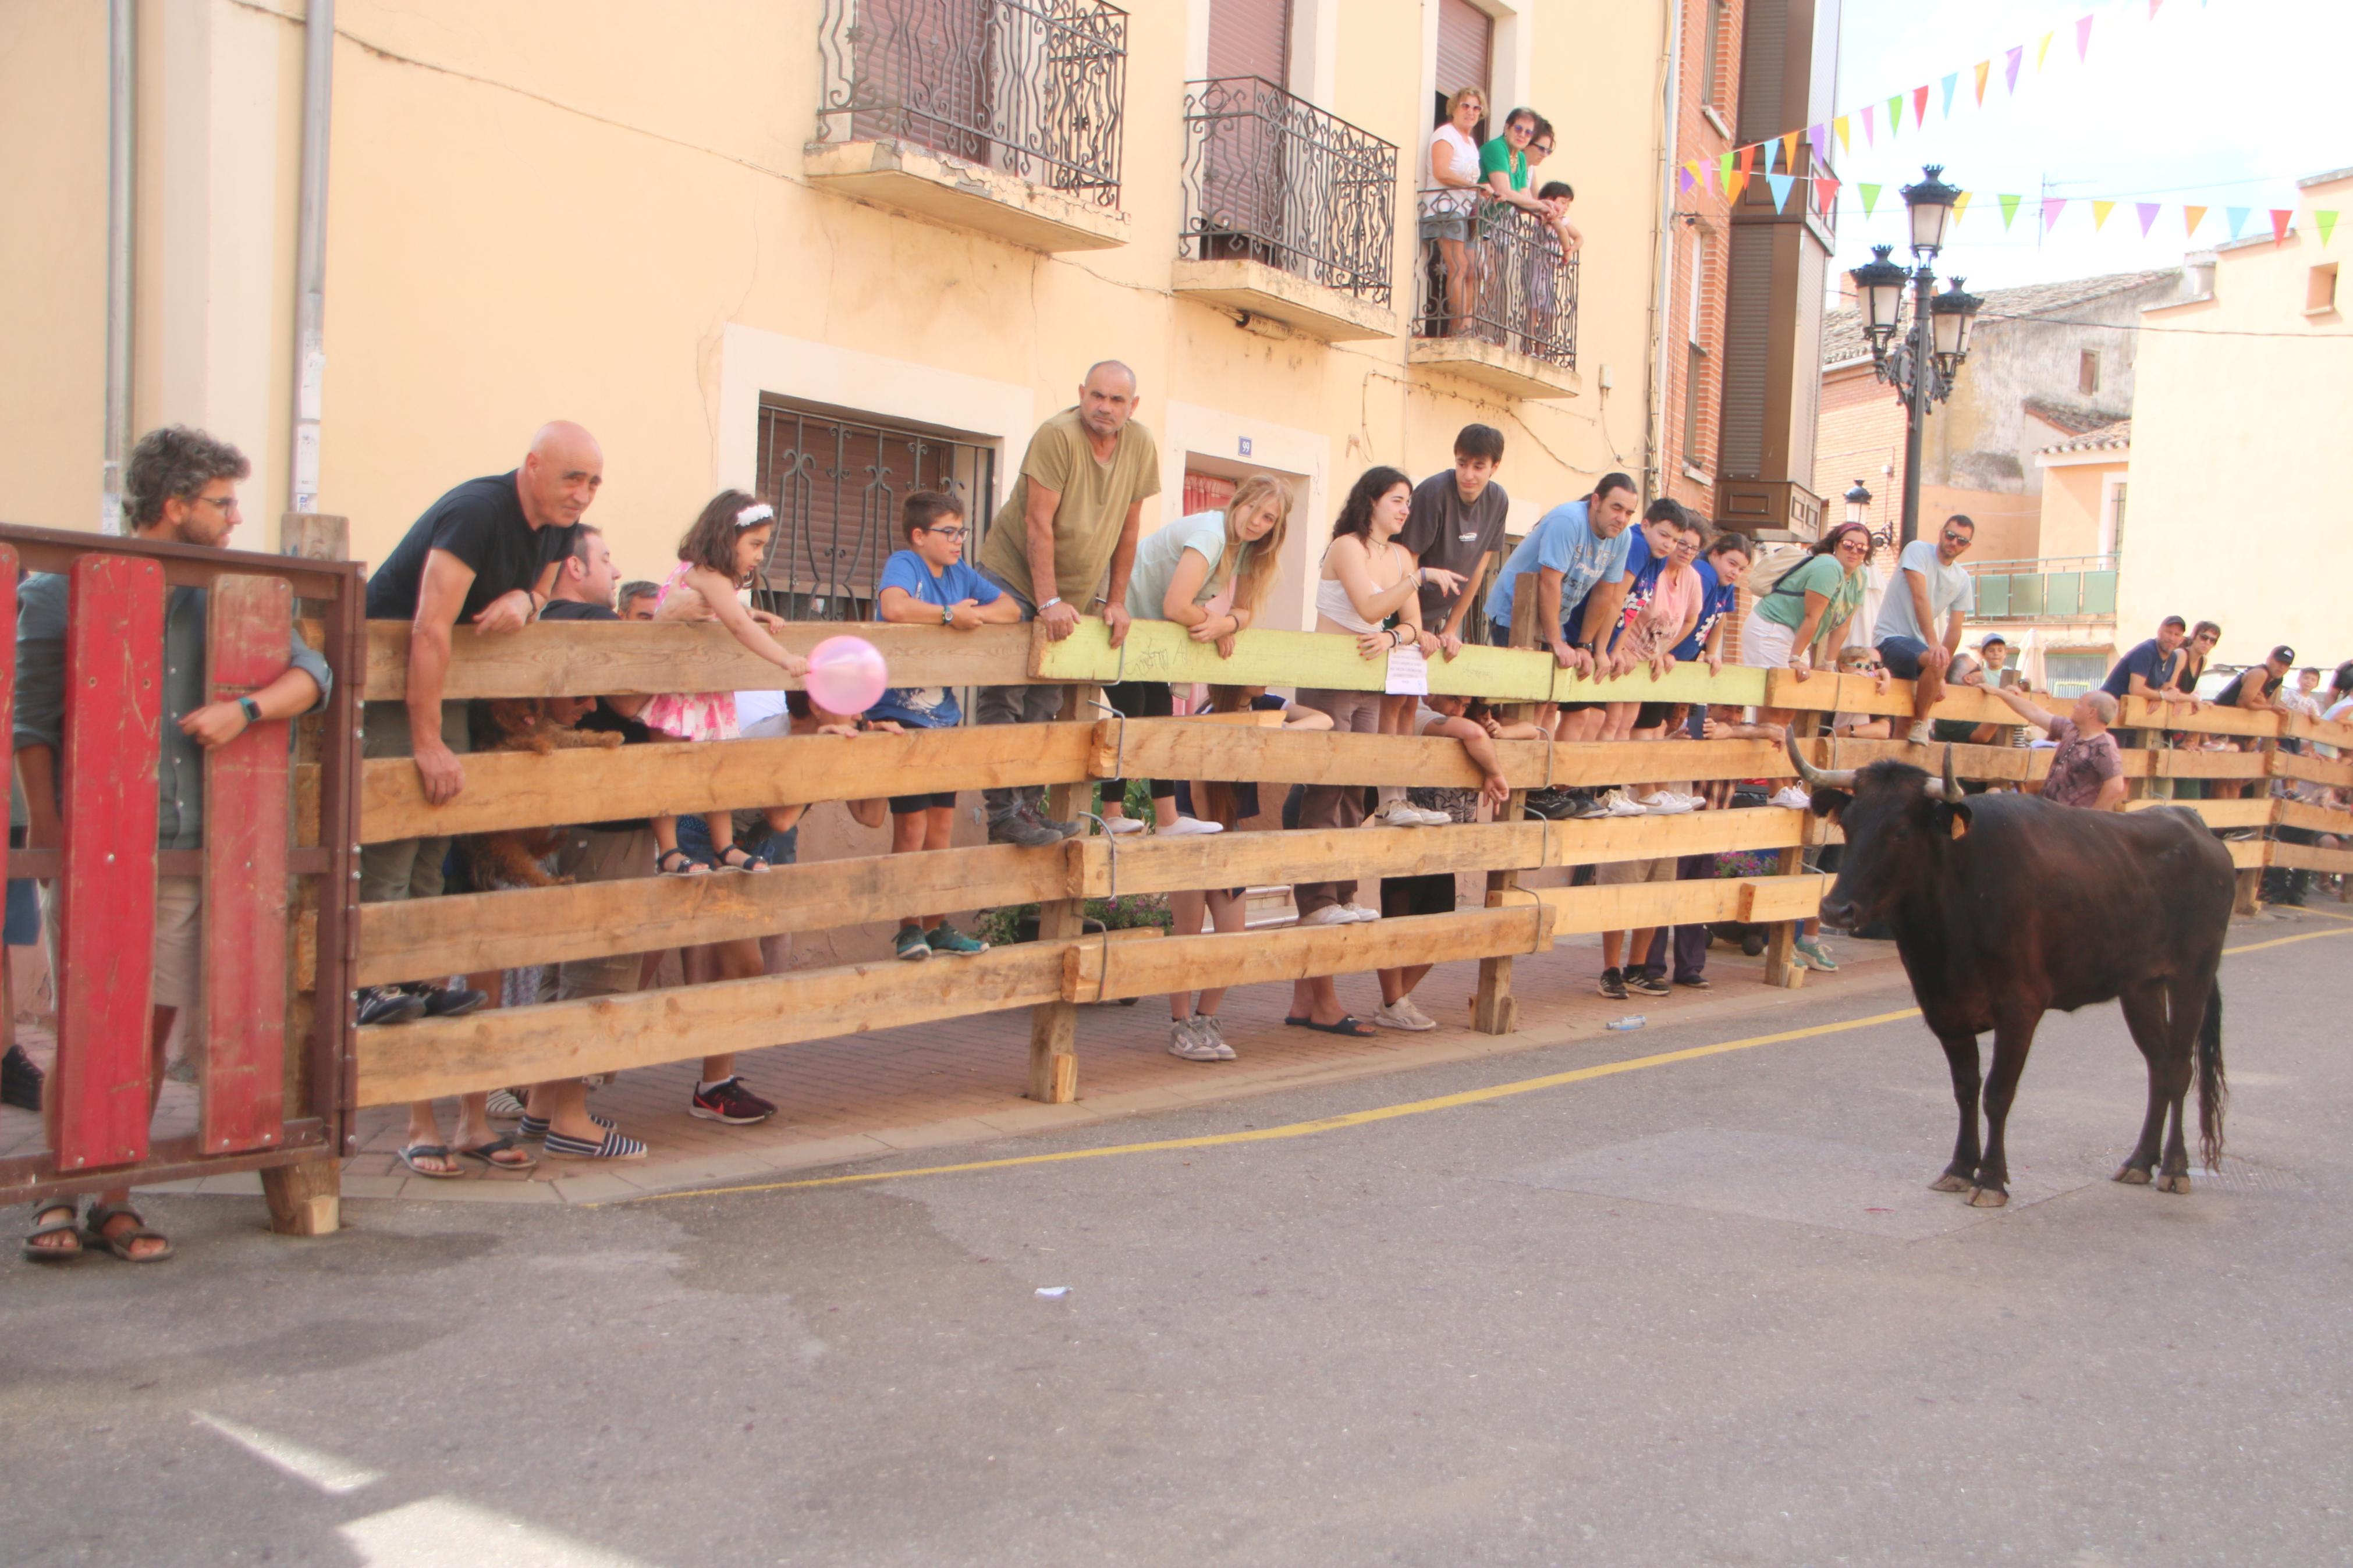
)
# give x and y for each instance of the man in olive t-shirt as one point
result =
(1074, 515)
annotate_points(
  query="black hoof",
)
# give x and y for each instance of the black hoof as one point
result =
(2133, 1175)
(1950, 1183)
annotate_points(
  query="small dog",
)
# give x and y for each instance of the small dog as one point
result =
(493, 861)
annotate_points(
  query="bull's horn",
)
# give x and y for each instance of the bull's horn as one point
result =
(1952, 779)
(1817, 778)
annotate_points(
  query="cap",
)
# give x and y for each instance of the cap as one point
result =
(1992, 638)
(2284, 654)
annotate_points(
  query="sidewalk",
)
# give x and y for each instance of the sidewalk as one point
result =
(960, 1082)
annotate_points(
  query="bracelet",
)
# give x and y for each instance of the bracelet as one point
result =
(1050, 603)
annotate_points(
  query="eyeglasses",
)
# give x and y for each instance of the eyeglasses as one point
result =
(1686, 546)
(952, 532)
(1543, 147)
(228, 504)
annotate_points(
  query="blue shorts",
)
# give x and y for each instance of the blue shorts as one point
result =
(24, 926)
(1902, 657)
(695, 837)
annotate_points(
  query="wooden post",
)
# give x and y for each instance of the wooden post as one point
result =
(1780, 966)
(2250, 900)
(1495, 1011)
(314, 535)
(1054, 1026)
(305, 1199)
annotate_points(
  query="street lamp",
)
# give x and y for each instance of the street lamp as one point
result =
(1858, 511)
(1922, 363)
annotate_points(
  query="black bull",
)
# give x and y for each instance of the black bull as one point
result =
(2005, 906)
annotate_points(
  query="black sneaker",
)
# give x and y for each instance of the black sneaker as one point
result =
(730, 1102)
(1693, 982)
(1648, 986)
(1613, 984)
(446, 1001)
(20, 1080)
(1021, 828)
(389, 1004)
(1553, 805)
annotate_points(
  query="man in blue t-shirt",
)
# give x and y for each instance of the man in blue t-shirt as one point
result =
(2148, 670)
(928, 584)
(1573, 547)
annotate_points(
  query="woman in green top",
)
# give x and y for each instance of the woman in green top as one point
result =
(1504, 162)
(1801, 623)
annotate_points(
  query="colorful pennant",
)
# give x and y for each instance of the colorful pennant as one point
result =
(2010, 69)
(1919, 107)
(2149, 211)
(2043, 50)
(1841, 126)
(2280, 216)
(1952, 80)
(1781, 183)
(2082, 37)
(2100, 211)
(2009, 211)
(2051, 207)
(2325, 222)
(1982, 67)
(1869, 199)
(2237, 218)
(2190, 218)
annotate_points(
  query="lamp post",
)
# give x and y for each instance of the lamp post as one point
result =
(1923, 366)
(1858, 511)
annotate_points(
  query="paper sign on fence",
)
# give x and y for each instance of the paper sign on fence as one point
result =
(1408, 673)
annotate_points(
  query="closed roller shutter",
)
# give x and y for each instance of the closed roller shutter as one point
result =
(1251, 38)
(1466, 43)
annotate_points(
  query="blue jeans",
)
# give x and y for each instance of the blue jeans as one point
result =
(1014, 705)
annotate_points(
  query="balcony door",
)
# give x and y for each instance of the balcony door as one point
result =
(1466, 48)
(1242, 154)
(929, 60)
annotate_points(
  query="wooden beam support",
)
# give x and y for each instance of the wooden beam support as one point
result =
(1631, 906)
(305, 1199)
(1781, 967)
(1054, 1024)
(1493, 1009)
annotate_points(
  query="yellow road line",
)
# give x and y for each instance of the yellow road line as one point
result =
(1362, 1117)
(2327, 914)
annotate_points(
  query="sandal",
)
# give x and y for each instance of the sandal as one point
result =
(44, 1226)
(748, 861)
(688, 865)
(505, 1143)
(1349, 1026)
(100, 1215)
(614, 1145)
(416, 1151)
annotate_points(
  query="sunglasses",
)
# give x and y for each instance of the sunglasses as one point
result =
(1953, 536)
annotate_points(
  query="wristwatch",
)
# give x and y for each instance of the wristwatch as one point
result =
(251, 709)
(948, 617)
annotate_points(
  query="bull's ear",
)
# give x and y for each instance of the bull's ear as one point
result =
(1953, 818)
(1829, 802)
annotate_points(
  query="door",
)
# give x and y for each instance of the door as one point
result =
(1466, 44)
(1251, 38)
(1241, 149)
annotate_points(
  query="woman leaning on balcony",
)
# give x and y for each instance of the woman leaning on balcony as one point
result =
(1453, 197)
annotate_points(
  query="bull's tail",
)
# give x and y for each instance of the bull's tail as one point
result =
(2213, 1090)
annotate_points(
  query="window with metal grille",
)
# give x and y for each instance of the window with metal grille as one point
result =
(838, 479)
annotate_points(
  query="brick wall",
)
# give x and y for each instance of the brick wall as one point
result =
(1861, 437)
(1702, 232)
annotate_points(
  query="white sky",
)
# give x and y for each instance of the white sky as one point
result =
(2218, 103)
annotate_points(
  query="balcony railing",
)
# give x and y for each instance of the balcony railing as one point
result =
(1032, 88)
(1272, 178)
(1495, 273)
(2055, 588)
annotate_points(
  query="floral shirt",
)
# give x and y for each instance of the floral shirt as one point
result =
(689, 715)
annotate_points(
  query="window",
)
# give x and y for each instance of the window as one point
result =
(1698, 288)
(1710, 91)
(2087, 372)
(1251, 38)
(2070, 675)
(1466, 48)
(1205, 492)
(2115, 530)
(1694, 373)
(2320, 290)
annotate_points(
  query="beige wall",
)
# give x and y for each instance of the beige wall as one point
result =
(2265, 415)
(2074, 504)
(546, 208)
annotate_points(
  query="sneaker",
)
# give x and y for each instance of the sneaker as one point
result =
(504, 1105)
(1919, 734)
(1664, 803)
(1023, 828)
(1188, 1042)
(20, 1080)
(1814, 955)
(1585, 807)
(613, 1146)
(446, 1001)
(1791, 796)
(1330, 915)
(389, 1004)
(729, 1101)
(1362, 912)
(1185, 826)
(910, 944)
(1554, 805)
(1648, 986)
(1613, 984)
(1693, 981)
(1398, 812)
(946, 937)
(1402, 1014)
(1121, 827)
(1215, 1033)
(1036, 813)
(1617, 802)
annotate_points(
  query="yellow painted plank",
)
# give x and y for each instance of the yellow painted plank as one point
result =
(1689, 683)
(1162, 650)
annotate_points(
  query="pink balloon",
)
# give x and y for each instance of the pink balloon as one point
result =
(846, 675)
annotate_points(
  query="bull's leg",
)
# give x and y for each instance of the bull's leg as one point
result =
(1961, 1055)
(2152, 1031)
(2189, 1014)
(2012, 1038)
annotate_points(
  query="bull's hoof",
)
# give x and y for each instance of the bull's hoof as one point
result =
(1988, 1198)
(1950, 1183)
(2133, 1175)
(2173, 1182)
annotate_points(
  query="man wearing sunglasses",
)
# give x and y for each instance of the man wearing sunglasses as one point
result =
(1919, 627)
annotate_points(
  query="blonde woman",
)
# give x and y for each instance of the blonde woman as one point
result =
(1180, 571)
(1450, 200)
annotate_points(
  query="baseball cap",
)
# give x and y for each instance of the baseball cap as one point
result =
(1992, 638)
(2284, 654)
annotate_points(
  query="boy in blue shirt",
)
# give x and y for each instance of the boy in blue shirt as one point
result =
(928, 584)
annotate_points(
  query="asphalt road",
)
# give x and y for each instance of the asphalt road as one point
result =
(1702, 1311)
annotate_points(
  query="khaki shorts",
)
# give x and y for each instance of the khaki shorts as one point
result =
(1617, 871)
(590, 857)
(178, 958)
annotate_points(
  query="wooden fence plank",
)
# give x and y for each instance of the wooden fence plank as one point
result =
(1632, 906)
(2216, 813)
(113, 713)
(2311, 770)
(2140, 713)
(1261, 859)
(2249, 854)
(399, 1063)
(2308, 857)
(1095, 971)
(1162, 650)
(2311, 818)
(2303, 727)
(2199, 765)
(242, 1102)
(1764, 900)
(1687, 682)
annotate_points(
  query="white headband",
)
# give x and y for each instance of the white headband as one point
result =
(757, 512)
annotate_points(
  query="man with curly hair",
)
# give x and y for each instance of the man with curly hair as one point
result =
(179, 487)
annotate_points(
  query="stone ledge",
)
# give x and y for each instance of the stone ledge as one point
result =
(913, 179)
(1259, 289)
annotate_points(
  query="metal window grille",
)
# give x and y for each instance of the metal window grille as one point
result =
(838, 481)
(1518, 291)
(1033, 87)
(1270, 177)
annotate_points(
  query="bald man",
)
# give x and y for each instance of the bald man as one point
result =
(487, 555)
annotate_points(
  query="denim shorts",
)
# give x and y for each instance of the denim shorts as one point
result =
(1902, 657)
(753, 836)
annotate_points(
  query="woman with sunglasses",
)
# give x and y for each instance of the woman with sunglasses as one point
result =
(1801, 623)
(1452, 198)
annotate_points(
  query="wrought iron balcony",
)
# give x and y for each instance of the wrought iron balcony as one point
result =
(1031, 90)
(1497, 299)
(2055, 588)
(1273, 181)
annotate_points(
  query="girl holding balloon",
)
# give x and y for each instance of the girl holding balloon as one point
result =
(718, 556)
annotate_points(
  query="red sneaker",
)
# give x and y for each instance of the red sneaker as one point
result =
(729, 1101)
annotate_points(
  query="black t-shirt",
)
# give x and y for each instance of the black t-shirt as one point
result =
(481, 524)
(1440, 532)
(2229, 696)
(633, 733)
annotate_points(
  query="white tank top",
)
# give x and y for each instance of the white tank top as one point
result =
(1332, 600)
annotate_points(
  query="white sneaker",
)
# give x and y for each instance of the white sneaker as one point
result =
(1185, 826)
(1330, 915)
(1121, 827)
(1793, 797)
(1622, 805)
(1435, 818)
(1402, 1014)
(1188, 1040)
(1398, 813)
(1362, 912)
(1664, 803)
(1215, 1033)
(1920, 734)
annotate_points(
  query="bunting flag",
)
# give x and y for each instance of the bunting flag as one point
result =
(2153, 4)
(1895, 114)
(1982, 67)
(1871, 202)
(2148, 215)
(1767, 148)
(2009, 211)
(1691, 175)
(1724, 170)
(1952, 80)
(2325, 222)
(1826, 190)
(1781, 183)
(2100, 211)
(2082, 37)
(1734, 184)
(1820, 136)
(2279, 223)
(2010, 69)
(1919, 107)
(1789, 153)
(1870, 132)
(1960, 207)
(2190, 218)
(2237, 218)
(1749, 162)
(1842, 128)
(2051, 207)
(2043, 50)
